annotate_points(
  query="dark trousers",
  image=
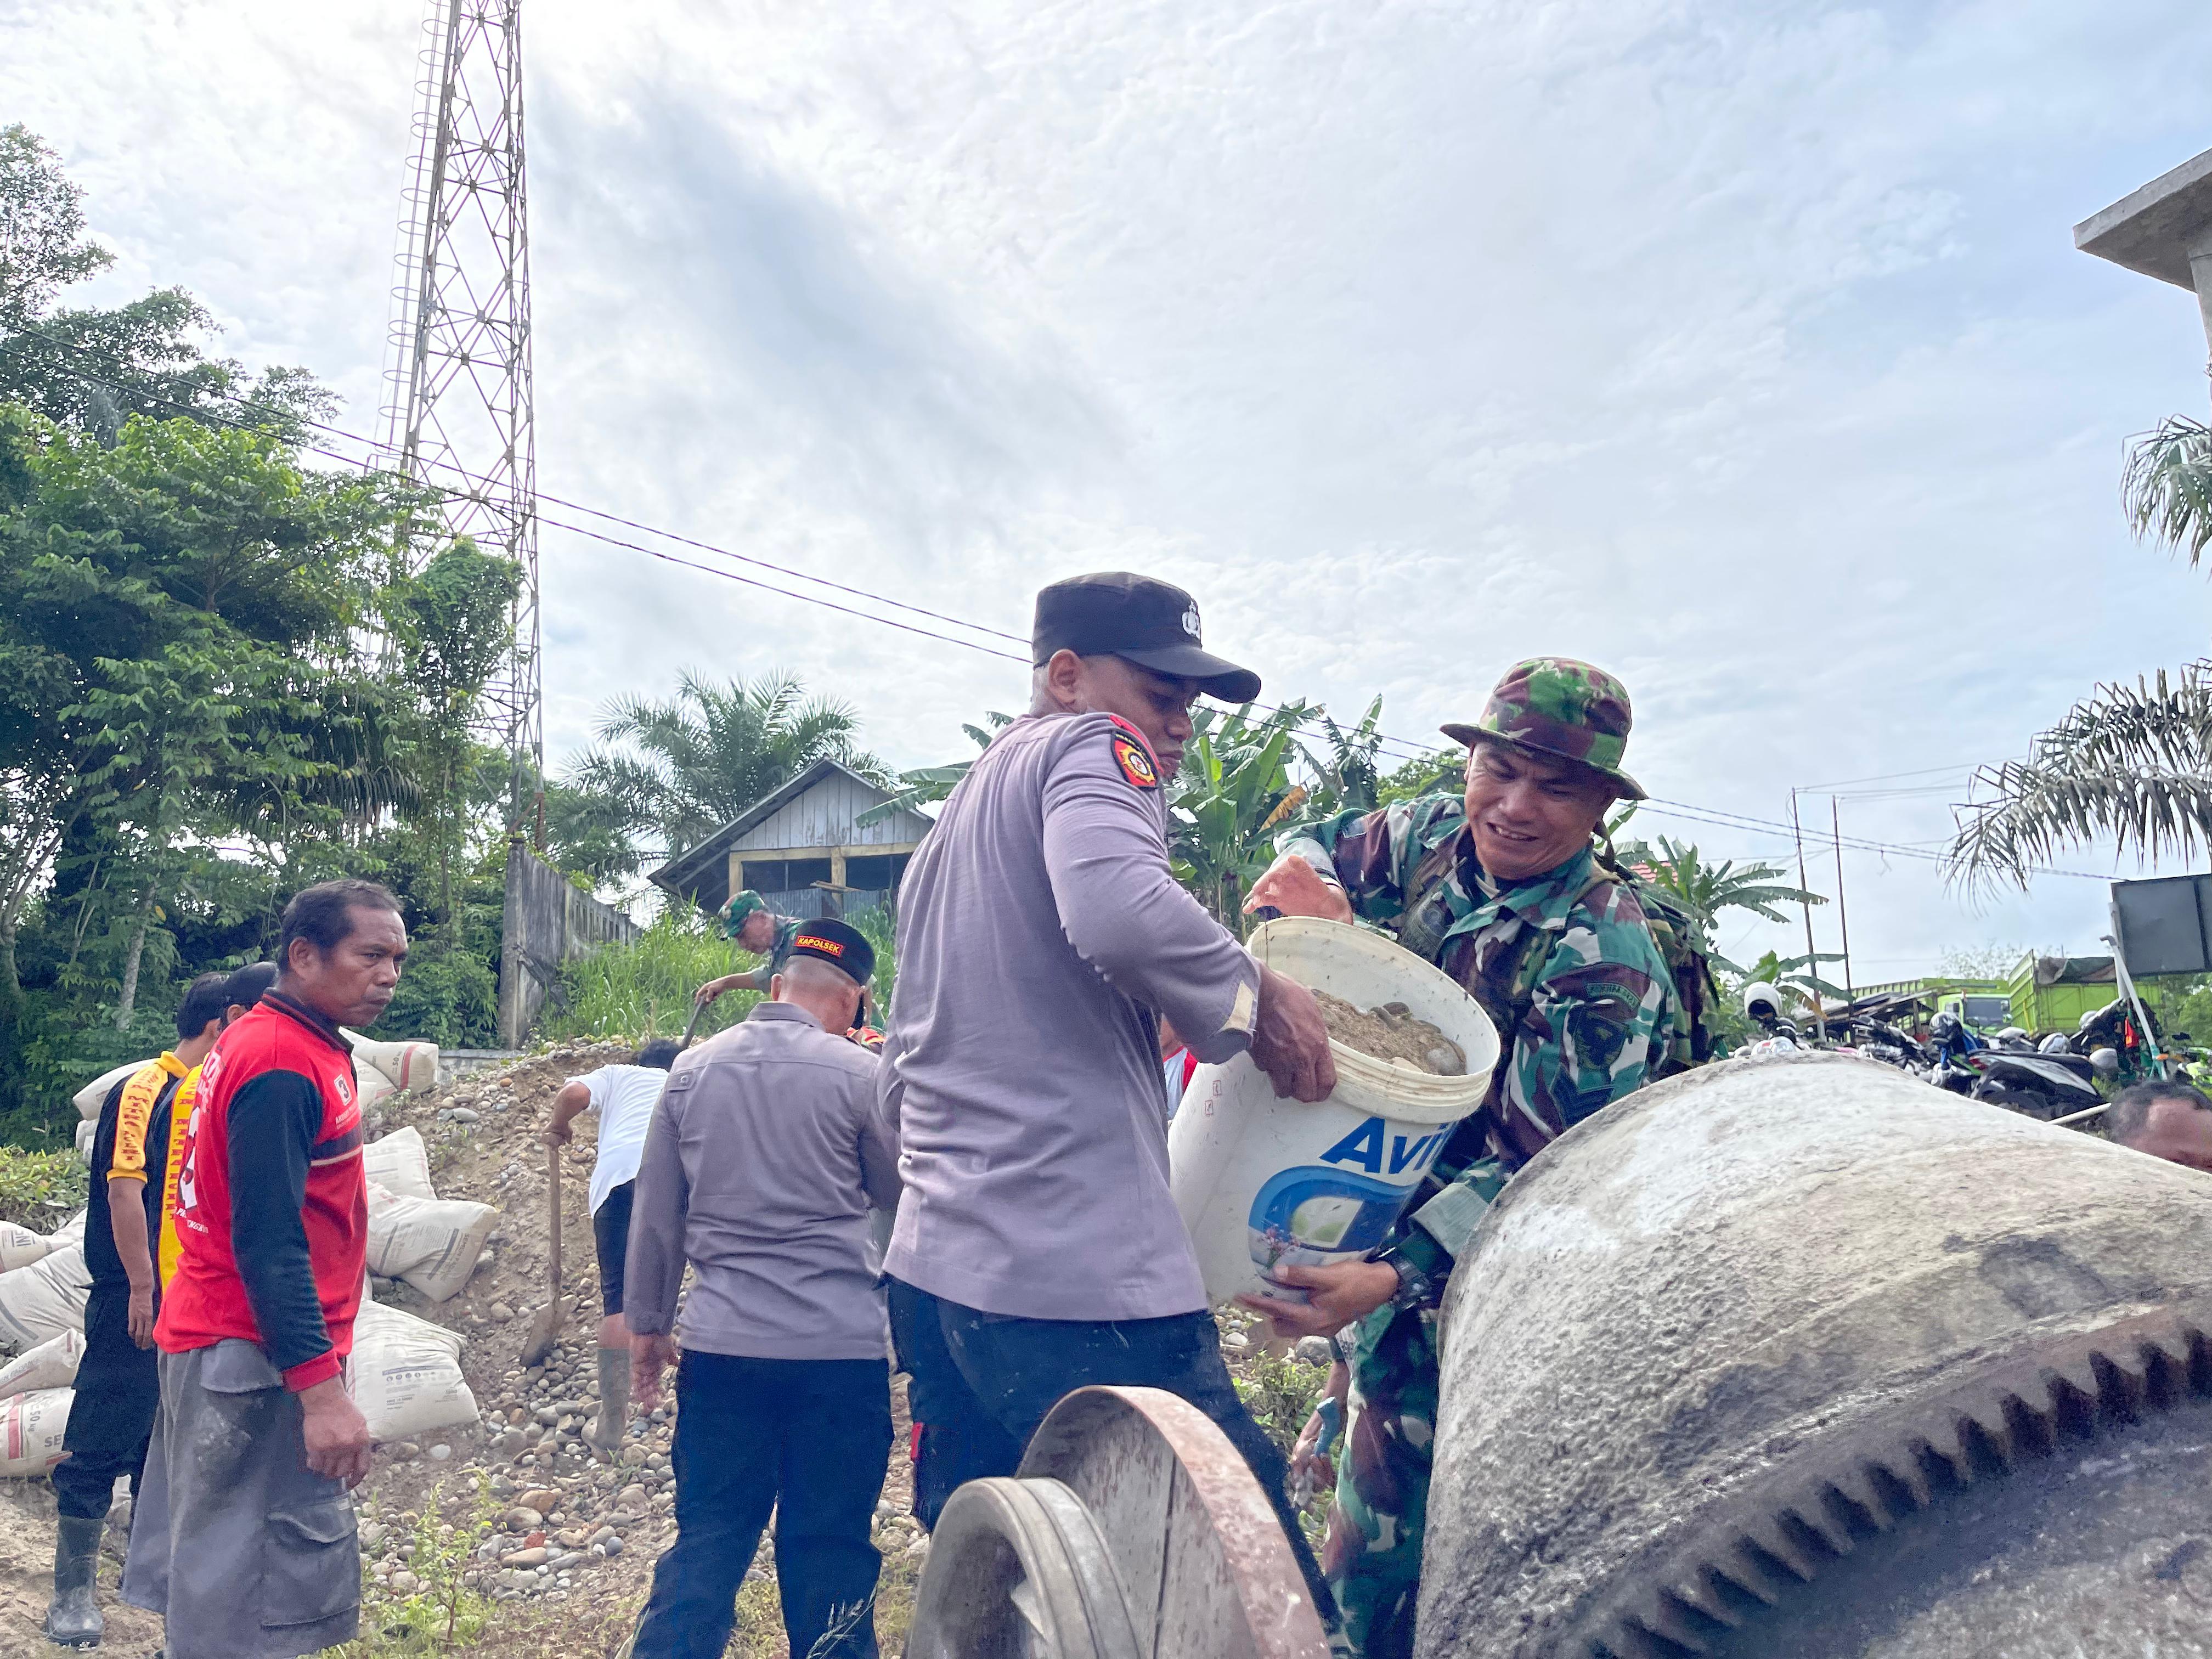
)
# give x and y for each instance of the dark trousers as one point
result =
(979, 1383)
(119, 1390)
(808, 1438)
(610, 1242)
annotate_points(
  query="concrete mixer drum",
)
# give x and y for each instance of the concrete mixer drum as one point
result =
(1798, 1355)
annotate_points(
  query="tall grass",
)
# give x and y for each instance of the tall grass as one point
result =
(644, 990)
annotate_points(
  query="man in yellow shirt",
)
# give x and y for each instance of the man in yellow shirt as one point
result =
(241, 992)
(118, 1390)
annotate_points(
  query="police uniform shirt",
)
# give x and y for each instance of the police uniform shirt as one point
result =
(761, 1163)
(1039, 924)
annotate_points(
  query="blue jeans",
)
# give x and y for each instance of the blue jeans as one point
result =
(807, 1437)
(981, 1382)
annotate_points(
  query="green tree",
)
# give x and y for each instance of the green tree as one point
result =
(453, 623)
(2130, 762)
(683, 767)
(95, 368)
(183, 611)
(1704, 890)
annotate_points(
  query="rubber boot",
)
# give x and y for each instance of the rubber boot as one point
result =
(614, 1399)
(73, 1621)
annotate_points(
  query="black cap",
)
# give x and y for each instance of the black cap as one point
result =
(1154, 624)
(839, 943)
(249, 984)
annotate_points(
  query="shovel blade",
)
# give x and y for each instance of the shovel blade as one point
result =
(545, 1331)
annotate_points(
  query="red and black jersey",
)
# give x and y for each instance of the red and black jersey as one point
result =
(272, 1201)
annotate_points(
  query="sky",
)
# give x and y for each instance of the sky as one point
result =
(1739, 348)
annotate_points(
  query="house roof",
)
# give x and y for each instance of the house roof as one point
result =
(683, 874)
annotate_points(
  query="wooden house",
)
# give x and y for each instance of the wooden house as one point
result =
(800, 849)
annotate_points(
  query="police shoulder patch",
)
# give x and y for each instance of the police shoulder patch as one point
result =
(1135, 764)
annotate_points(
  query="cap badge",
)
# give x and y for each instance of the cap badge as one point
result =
(1136, 765)
(836, 947)
(1190, 622)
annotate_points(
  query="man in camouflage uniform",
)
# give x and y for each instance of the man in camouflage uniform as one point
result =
(1500, 889)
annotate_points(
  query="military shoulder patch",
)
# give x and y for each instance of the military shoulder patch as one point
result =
(1136, 765)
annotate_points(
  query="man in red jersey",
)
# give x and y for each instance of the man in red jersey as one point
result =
(248, 1545)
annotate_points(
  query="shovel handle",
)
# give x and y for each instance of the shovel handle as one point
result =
(553, 1199)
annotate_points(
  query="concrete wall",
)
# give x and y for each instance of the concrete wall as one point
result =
(548, 921)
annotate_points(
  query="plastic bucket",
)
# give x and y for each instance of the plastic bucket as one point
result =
(1263, 1182)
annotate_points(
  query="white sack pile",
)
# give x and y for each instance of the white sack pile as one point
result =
(20, 1247)
(407, 1375)
(51, 1365)
(413, 1234)
(47, 1295)
(31, 1429)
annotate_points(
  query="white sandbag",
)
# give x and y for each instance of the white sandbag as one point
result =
(411, 1068)
(87, 1131)
(31, 1429)
(44, 1299)
(20, 1247)
(89, 1099)
(400, 1163)
(433, 1243)
(51, 1365)
(70, 1232)
(371, 1088)
(407, 1375)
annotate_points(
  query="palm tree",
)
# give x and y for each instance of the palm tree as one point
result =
(2130, 762)
(690, 764)
(1703, 890)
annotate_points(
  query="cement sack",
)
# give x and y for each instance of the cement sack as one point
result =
(87, 1131)
(432, 1243)
(407, 1375)
(20, 1247)
(31, 1429)
(400, 1163)
(372, 1089)
(89, 1099)
(51, 1365)
(70, 1232)
(44, 1299)
(411, 1068)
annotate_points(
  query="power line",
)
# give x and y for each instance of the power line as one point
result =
(1411, 750)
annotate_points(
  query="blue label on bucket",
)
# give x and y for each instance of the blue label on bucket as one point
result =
(1312, 1214)
(1374, 1149)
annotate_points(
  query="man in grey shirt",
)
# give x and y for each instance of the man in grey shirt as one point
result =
(1042, 935)
(761, 1162)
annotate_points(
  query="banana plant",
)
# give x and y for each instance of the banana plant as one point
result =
(1231, 789)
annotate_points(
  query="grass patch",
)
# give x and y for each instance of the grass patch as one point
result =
(40, 1190)
(634, 992)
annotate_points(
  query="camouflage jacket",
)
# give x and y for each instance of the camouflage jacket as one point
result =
(1576, 1011)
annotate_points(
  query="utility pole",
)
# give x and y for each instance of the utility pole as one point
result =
(1812, 951)
(458, 415)
(1843, 914)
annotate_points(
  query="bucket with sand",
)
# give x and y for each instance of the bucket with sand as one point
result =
(1263, 1183)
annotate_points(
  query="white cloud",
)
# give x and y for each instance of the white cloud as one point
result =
(1741, 349)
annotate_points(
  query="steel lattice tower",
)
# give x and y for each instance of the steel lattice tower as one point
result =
(458, 411)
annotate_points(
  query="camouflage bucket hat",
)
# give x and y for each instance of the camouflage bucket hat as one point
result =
(734, 913)
(1557, 706)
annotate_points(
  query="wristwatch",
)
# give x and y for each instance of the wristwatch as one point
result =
(1415, 1288)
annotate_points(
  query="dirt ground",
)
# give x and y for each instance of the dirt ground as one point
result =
(606, 1520)
(1390, 1033)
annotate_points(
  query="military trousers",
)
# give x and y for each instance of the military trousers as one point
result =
(1378, 1522)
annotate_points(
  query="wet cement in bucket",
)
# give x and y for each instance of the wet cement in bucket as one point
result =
(1390, 1033)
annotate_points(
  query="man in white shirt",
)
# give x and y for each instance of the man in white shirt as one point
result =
(623, 1097)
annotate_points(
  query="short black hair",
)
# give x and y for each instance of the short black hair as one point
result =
(660, 1054)
(323, 914)
(249, 984)
(2130, 1113)
(203, 1001)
